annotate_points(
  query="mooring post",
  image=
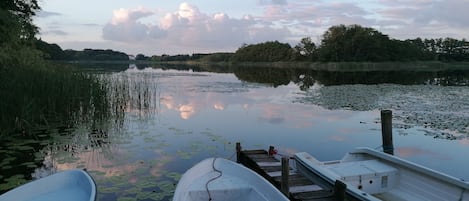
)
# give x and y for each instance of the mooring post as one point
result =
(285, 187)
(386, 131)
(339, 190)
(238, 152)
(271, 150)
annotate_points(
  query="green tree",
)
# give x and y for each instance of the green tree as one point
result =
(305, 50)
(353, 43)
(17, 33)
(271, 51)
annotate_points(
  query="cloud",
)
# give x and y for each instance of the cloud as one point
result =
(189, 28)
(427, 19)
(272, 2)
(125, 27)
(54, 32)
(45, 14)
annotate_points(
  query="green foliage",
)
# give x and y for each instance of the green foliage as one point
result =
(40, 95)
(141, 57)
(32, 91)
(95, 55)
(165, 57)
(216, 57)
(306, 50)
(17, 15)
(271, 51)
(50, 51)
(353, 43)
(15, 41)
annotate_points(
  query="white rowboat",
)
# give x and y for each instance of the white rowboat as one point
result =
(374, 175)
(70, 185)
(221, 179)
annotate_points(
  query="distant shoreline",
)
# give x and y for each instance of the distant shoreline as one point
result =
(424, 66)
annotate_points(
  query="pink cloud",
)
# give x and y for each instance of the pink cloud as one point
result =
(188, 27)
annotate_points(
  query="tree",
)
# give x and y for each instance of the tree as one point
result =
(353, 43)
(270, 51)
(50, 51)
(17, 33)
(141, 57)
(22, 11)
(305, 50)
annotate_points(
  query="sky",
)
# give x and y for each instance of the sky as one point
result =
(156, 27)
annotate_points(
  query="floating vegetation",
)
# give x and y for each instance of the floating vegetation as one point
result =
(440, 108)
(12, 182)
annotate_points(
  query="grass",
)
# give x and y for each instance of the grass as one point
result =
(41, 95)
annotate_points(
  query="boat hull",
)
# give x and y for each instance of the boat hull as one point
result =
(373, 175)
(71, 185)
(221, 179)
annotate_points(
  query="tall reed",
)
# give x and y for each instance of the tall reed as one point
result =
(33, 96)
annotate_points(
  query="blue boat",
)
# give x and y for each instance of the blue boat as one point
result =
(71, 185)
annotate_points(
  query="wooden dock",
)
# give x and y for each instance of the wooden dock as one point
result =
(298, 187)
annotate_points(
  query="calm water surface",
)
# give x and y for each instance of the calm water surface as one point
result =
(166, 120)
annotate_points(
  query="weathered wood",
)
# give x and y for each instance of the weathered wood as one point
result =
(279, 173)
(339, 190)
(386, 131)
(268, 164)
(299, 186)
(305, 188)
(238, 151)
(271, 150)
(285, 184)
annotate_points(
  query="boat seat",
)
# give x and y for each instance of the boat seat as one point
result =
(371, 176)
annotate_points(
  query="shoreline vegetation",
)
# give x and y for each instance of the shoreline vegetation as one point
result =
(35, 92)
(430, 66)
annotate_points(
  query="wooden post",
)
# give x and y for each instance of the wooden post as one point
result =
(238, 152)
(285, 173)
(339, 190)
(386, 131)
(271, 150)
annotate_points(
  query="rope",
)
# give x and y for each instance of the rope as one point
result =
(462, 194)
(206, 184)
(232, 155)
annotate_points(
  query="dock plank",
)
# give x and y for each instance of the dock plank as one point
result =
(301, 188)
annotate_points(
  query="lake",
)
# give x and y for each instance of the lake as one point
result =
(164, 119)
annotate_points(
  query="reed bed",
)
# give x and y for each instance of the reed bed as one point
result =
(44, 95)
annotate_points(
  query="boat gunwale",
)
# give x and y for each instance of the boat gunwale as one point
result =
(412, 166)
(200, 171)
(326, 175)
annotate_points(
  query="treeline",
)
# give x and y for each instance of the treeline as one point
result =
(355, 43)
(212, 57)
(55, 52)
(341, 43)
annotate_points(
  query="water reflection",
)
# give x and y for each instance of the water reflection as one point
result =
(305, 78)
(160, 121)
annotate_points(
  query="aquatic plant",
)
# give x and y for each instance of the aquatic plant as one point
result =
(33, 96)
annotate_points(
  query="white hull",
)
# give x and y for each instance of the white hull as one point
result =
(373, 175)
(70, 185)
(225, 180)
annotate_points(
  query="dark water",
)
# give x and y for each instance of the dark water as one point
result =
(166, 119)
